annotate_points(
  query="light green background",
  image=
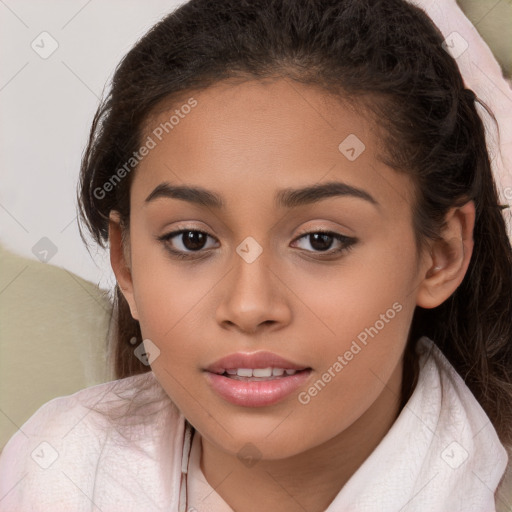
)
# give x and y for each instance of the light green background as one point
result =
(493, 20)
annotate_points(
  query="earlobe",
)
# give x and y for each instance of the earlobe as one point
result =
(119, 263)
(449, 258)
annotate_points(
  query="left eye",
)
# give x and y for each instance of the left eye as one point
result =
(321, 241)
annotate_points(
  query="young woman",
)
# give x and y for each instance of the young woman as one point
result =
(313, 302)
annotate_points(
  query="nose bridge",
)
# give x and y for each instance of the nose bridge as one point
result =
(252, 296)
(251, 278)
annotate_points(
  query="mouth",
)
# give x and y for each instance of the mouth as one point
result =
(255, 379)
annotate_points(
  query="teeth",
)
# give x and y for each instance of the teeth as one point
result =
(259, 372)
(262, 372)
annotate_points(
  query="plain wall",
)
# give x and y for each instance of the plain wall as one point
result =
(47, 106)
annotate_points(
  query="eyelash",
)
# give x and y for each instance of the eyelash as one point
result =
(347, 242)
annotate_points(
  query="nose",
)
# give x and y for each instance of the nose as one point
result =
(253, 296)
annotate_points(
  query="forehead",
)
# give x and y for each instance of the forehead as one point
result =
(257, 136)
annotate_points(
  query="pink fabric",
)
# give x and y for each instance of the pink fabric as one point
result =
(129, 466)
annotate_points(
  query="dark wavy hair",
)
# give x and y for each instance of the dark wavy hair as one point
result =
(388, 56)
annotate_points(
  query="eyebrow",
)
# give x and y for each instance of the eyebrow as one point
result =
(285, 198)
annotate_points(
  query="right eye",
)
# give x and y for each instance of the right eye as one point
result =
(184, 243)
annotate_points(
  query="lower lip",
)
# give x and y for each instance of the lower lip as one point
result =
(256, 393)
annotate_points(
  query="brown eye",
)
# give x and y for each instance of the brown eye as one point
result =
(193, 240)
(185, 241)
(322, 241)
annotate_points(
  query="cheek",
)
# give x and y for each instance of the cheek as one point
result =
(362, 315)
(169, 302)
(169, 307)
(371, 289)
(356, 348)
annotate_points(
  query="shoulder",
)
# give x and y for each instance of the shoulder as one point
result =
(60, 450)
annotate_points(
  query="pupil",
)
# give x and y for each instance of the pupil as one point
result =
(193, 240)
(320, 241)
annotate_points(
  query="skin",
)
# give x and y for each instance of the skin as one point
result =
(245, 142)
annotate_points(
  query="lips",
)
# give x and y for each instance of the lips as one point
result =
(255, 380)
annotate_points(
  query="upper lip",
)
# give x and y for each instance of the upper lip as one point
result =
(253, 360)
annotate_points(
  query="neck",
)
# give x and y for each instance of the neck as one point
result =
(309, 480)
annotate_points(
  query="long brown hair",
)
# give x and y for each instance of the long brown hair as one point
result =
(385, 53)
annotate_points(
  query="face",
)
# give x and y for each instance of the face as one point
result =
(326, 281)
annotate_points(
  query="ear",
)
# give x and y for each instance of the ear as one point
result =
(119, 261)
(449, 257)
